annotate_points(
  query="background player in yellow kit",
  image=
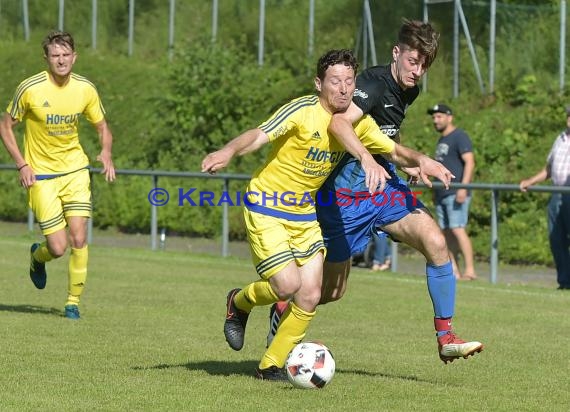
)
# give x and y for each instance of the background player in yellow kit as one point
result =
(284, 235)
(54, 167)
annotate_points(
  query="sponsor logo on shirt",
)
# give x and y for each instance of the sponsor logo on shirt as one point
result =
(360, 93)
(389, 130)
(62, 118)
(317, 155)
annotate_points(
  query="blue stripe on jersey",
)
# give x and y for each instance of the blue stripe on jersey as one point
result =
(53, 176)
(288, 110)
(38, 78)
(294, 217)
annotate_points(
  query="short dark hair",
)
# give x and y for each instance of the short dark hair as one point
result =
(332, 57)
(58, 37)
(420, 36)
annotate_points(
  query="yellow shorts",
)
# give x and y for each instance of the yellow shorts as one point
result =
(52, 200)
(274, 242)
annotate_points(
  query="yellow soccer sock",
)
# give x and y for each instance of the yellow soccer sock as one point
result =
(258, 293)
(77, 275)
(41, 254)
(292, 330)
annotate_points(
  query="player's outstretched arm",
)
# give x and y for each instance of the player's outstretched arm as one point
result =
(341, 126)
(246, 142)
(406, 157)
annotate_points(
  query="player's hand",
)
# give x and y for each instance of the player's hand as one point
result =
(216, 161)
(27, 176)
(413, 174)
(429, 167)
(376, 175)
(108, 167)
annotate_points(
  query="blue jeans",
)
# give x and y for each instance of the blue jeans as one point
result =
(559, 235)
(382, 250)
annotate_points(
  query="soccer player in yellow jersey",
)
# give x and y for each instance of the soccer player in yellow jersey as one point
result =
(54, 167)
(285, 238)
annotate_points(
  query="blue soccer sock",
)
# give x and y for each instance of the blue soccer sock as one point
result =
(441, 287)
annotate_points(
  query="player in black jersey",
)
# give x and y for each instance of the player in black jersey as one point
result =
(385, 93)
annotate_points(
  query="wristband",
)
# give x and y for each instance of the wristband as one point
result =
(21, 167)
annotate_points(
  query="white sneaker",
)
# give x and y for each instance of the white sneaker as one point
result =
(451, 347)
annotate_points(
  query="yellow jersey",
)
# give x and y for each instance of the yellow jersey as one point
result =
(51, 114)
(303, 154)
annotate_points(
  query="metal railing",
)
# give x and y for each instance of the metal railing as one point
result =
(494, 188)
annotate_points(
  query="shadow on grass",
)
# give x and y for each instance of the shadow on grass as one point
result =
(212, 367)
(247, 368)
(381, 375)
(31, 309)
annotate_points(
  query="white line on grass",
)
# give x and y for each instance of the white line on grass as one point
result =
(549, 292)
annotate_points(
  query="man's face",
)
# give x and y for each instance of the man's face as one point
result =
(441, 121)
(409, 66)
(60, 59)
(336, 89)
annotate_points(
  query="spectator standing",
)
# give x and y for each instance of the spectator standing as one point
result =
(558, 169)
(455, 151)
(382, 256)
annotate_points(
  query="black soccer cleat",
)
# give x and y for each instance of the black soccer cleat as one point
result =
(37, 269)
(234, 326)
(273, 373)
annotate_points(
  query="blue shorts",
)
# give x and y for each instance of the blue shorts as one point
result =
(348, 218)
(451, 214)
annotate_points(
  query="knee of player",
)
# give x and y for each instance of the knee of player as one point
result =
(287, 288)
(313, 296)
(434, 238)
(57, 250)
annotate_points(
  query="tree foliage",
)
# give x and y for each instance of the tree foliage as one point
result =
(167, 113)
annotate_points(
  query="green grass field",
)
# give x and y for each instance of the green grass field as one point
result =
(151, 339)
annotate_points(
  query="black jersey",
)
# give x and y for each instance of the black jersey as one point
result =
(378, 94)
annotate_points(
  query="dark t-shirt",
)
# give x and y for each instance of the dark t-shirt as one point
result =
(448, 151)
(378, 95)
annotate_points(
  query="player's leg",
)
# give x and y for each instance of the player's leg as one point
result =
(77, 266)
(269, 243)
(46, 205)
(296, 319)
(76, 199)
(335, 280)
(334, 283)
(419, 230)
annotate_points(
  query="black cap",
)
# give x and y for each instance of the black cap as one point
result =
(440, 108)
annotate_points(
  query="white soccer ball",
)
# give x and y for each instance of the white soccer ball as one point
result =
(310, 365)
